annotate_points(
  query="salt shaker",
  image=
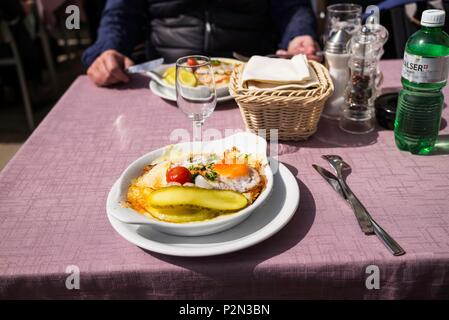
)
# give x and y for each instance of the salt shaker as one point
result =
(337, 58)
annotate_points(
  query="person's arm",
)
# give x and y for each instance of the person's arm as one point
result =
(121, 25)
(293, 18)
(296, 22)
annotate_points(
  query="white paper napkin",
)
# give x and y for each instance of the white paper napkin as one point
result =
(275, 73)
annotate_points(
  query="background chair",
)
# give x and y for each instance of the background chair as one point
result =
(15, 60)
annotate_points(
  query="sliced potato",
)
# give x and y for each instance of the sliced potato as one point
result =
(181, 214)
(192, 197)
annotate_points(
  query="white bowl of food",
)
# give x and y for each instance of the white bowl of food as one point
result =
(181, 191)
(222, 67)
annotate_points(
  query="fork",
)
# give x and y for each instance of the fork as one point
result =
(337, 163)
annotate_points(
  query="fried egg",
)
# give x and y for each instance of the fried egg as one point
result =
(237, 177)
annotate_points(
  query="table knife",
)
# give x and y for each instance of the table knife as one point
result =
(146, 66)
(386, 239)
(362, 218)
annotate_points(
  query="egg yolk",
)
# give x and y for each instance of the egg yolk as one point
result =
(232, 170)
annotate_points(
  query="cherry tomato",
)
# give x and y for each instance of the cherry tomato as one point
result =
(179, 174)
(191, 62)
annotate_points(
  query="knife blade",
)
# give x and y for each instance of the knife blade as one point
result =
(329, 177)
(363, 220)
(146, 66)
(386, 239)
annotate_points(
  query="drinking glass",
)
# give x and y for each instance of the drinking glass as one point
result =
(195, 91)
(347, 16)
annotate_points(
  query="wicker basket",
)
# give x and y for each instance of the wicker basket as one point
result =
(295, 113)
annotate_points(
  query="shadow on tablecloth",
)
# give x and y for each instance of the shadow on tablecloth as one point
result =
(329, 135)
(243, 262)
(136, 81)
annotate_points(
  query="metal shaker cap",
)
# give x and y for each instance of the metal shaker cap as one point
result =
(337, 43)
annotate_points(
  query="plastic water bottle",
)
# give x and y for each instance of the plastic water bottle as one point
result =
(424, 74)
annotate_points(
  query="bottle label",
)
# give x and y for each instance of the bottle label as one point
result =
(425, 70)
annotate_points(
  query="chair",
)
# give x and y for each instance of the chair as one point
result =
(15, 60)
(42, 34)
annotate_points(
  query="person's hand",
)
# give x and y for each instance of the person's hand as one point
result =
(109, 68)
(302, 44)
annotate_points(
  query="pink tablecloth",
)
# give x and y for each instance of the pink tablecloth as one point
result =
(52, 211)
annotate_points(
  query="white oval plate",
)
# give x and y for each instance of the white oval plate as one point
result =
(264, 222)
(167, 94)
(246, 142)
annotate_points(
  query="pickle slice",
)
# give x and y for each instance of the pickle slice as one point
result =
(181, 214)
(192, 197)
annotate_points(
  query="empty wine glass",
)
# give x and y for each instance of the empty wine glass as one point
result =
(195, 91)
(346, 16)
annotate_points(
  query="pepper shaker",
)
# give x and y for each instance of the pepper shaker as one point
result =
(358, 111)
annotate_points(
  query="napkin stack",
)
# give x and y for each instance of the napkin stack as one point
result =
(278, 74)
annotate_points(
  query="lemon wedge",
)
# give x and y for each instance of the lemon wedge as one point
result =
(187, 78)
(170, 79)
(169, 76)
(169, 71)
